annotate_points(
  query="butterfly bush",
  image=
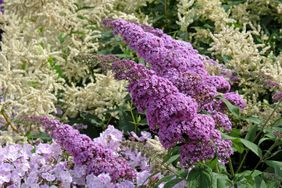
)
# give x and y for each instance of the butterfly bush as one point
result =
(189, 89)
(172, 59)
(84, 151)
(170, 113)
(104, 162)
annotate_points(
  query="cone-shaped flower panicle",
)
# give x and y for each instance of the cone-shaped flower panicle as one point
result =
(84, 150)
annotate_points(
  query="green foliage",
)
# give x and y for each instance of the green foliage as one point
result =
(200, 177)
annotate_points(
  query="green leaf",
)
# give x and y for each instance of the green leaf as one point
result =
(253, 119)
(260, 182)
(172, 159)
(62, 37)
(251, 133)
(172, 183)
(56, 67)
(235, 110)
(213, 164)
(220, 181)
(238, 146)
(164, 179)
(226, 58)
(236, 143)
(264, 139)
(274, 164)
(200, 177)
(170, 153)
(42, 135)
(248, 177)
(251, 146)
(278, 123)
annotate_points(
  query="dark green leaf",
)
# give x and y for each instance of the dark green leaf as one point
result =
(253, 119)
(264, 139)
(42, 135)
(235, 110)
(172, 159)
(259, 182)
(170, 153)
(251, 133)
(164, 179)
(220, 181)
(248, 177)
(172, 183)
(226, 58)
(200, 177)
(251, 146)
(236, 143)
(274, 164)
(278, 122)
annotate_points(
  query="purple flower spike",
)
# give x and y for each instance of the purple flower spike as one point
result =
(175, 92)
(84, 151)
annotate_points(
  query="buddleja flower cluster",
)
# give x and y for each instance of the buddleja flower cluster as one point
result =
(84, 151)
(103, 162)
(175, 92)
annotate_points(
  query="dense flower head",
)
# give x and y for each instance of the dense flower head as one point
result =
(25, 165)
(159, 87)
(235, 99)
(196, 151)
(175, 60)
(84, 151)
(224, 150)
(174, 115)
(177, 91)
(192, 84)
(129, 70)
(171, 108)
(157, 48)
(172, 133)
(201, 128)
(110, 138)
(219, 82)
(218, 106)
(222, 120)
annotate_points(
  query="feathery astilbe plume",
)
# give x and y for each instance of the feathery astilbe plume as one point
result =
(172, 114)
(95, 98)
(84, 151)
